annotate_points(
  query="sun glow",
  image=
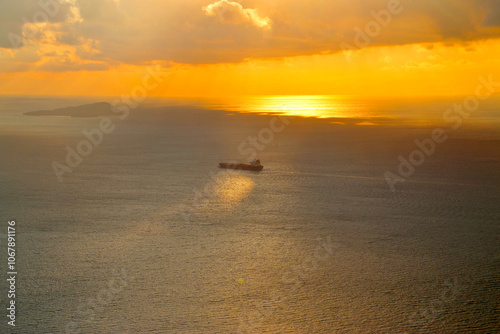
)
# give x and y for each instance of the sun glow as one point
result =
(294, 85)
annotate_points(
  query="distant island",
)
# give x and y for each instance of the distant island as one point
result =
(98, 109)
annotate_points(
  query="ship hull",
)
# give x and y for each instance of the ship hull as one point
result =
(241, 167)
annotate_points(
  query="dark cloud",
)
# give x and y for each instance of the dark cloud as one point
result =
(492, 9)
(100, 10)
(17, 16)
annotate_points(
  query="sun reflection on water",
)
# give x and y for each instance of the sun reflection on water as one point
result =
(234, 190)
(320, 106)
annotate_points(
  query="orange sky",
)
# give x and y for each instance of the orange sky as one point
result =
(221, 48)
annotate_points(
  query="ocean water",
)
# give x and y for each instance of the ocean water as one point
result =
(147, 235)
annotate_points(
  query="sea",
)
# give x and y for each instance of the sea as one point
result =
(370, 216)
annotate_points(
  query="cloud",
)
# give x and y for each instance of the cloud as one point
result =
(113, 32)
(100, 10)
(492, 10)
(234, 13)
(19, 18)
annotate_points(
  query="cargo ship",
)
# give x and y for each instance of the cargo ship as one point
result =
(253, 166)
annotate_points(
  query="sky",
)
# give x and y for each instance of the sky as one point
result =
(248, 47)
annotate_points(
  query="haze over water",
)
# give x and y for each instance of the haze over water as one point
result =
(315, 243)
